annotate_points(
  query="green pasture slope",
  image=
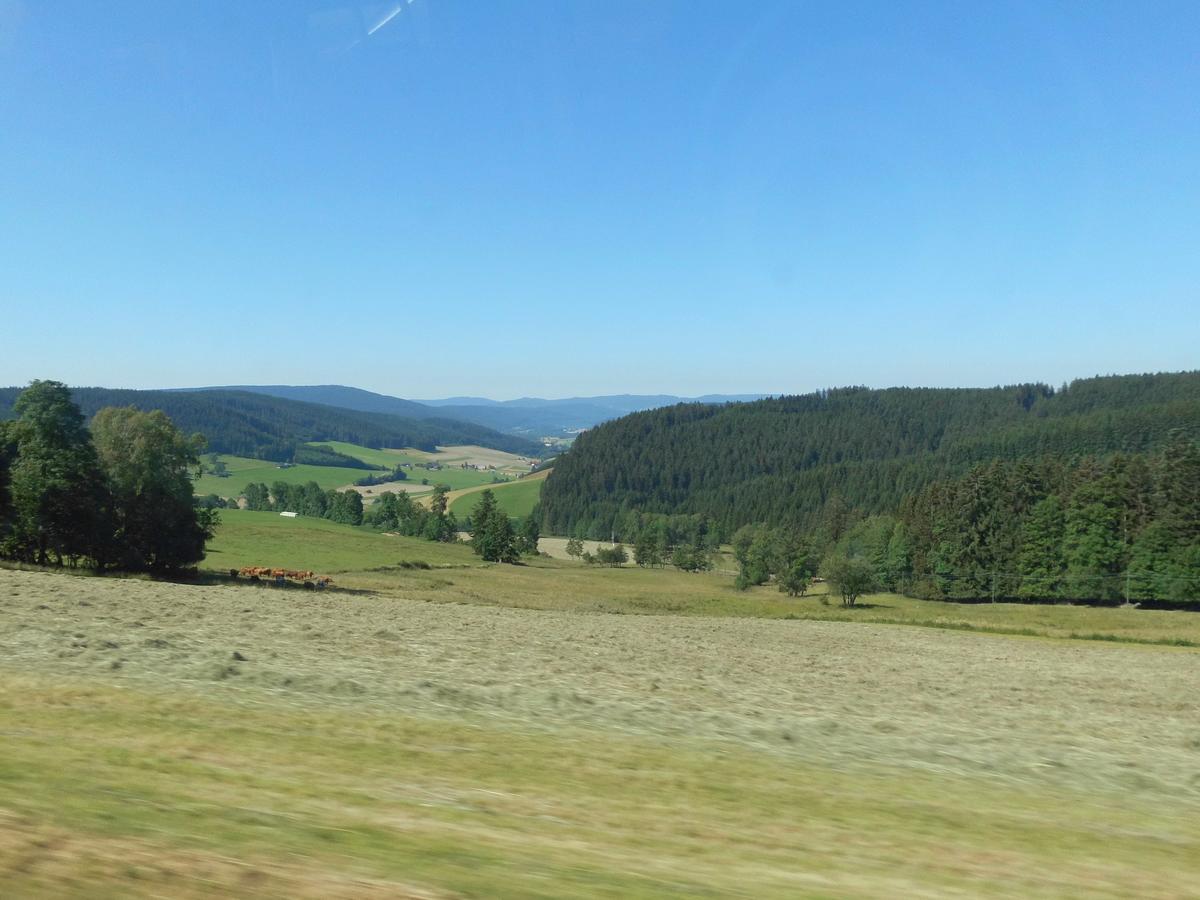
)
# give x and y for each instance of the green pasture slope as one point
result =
(384, 459)
(517, 498)
(245, 471)
(246, 538)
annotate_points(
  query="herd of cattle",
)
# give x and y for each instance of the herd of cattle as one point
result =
(311, 580)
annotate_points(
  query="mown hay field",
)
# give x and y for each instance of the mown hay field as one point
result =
(499, 731)
(368, 560)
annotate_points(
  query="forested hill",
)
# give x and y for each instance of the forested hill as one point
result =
(256, 425)
(781, 460)
(341, 396)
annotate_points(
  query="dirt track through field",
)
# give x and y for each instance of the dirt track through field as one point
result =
(1114, 717)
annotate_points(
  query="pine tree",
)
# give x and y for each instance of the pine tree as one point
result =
(530, 535)
(1151, 566)
(1092, 545)
(1179, 488)
(8, 450)
(645, 549)
(492, 535)
(1041, 562)
(500, 539)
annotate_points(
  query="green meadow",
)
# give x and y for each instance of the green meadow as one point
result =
(244, 471)
(383, 459)
(249, 538)
(517, 498)
(368, 560)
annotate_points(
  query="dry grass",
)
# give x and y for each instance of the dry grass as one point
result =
(378, 744)
(556, 547)
(481, 456)
(396, 487)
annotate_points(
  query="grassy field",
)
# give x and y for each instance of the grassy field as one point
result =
(551, 730)
(265, 538)
(517, 498)
(384, 459)
(244, 471)
(249, 538)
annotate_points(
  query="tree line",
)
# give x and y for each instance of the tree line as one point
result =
(389, 512)
(1122, 527)
(117, 495)
(324, 455)
(1093, 528)
(306, 499)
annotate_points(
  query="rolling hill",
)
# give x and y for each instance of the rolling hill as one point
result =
(255, 425)
(338, 395)
(783, 460)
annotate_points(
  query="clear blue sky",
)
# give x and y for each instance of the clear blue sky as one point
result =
(445, 197)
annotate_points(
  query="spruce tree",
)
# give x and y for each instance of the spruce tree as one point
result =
(492, 535)
(530, 535)
(1092, 545)
(1041, 562)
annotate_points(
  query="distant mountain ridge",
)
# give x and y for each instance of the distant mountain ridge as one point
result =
(539, 417)
(624, 402)
(529, 417)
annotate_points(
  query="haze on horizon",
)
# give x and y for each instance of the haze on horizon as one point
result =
(434, 198)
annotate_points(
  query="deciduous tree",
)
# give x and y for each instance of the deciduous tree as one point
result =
(60, 503)
(850, 576)
(150, 467)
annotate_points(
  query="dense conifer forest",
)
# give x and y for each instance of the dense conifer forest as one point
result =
(1120, 527)
(1090, 491)
(263, 427)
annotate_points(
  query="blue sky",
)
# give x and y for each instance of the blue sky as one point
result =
(431, 198)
